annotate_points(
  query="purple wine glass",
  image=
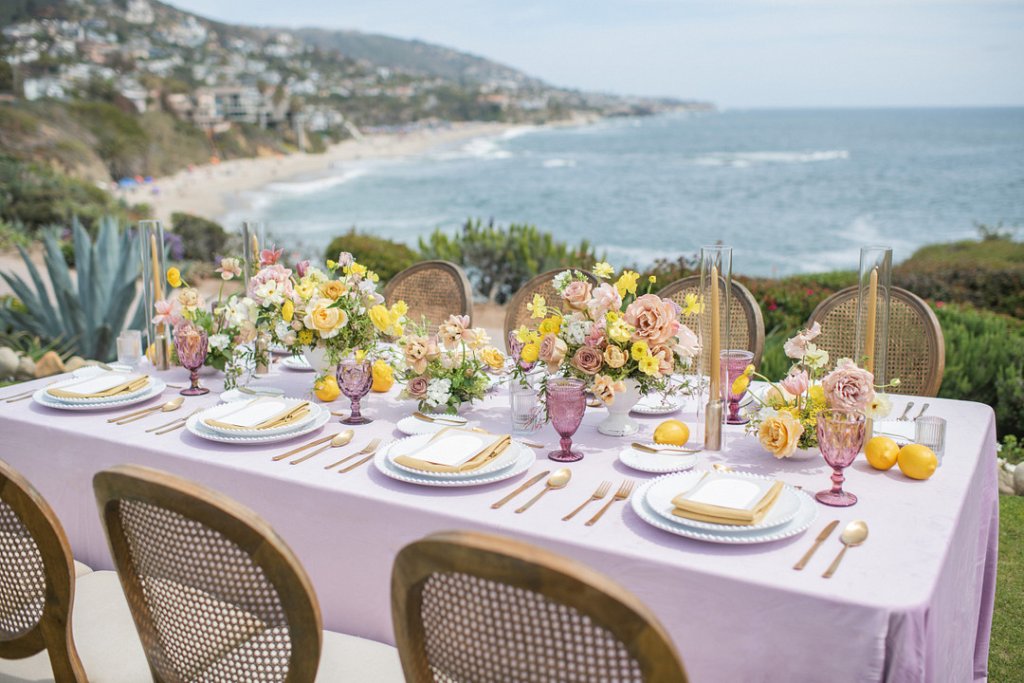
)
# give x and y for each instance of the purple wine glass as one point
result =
(734, 362)
(567, 401)
(354, 379)
(191, 347)
(840, 437)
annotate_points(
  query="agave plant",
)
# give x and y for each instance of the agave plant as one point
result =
(87, 311)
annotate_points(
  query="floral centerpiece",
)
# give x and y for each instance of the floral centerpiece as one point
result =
(621, 341)
(787, 414)
(445, 370)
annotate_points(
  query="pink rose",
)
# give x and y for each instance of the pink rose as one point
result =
(587, 360)
(605, 298)
(577, 294)
(849, 387)
(552, 351)
(417, 387)
(796, 383)
(655, 319)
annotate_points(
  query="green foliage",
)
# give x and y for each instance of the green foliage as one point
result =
(34, 347)
(93, 311)
(35, 196)
(985, 362)
(1006, 656)
(382, 256)
(1012, 449)
(203, 239)
(499, 260)
(119, 137)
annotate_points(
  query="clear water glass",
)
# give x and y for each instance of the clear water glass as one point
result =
(840, 437)
(129, 348)
(527, 408)
(931, 432)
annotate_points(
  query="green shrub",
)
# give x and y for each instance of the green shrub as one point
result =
(35, 196)
(383, 256)
(499, 260)
(1012, 449)
(202, 239)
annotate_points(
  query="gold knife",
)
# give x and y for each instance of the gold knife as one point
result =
(522, 488)
(825, 533)
(317, 442)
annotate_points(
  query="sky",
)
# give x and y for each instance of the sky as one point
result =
(736, 53)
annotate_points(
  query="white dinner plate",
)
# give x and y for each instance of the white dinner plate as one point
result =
(281, 403)
(412, 443)
(195, 426)
(525, 459)
(664, 489)
(805, 516)
(412, 426)
(297, 364)
(656, 463)
(155, 388)
(75, 379)
(658, 404)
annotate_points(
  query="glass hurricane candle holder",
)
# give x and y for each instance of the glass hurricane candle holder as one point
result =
(734, 363)
(190, 343)
(840, 437)
(716, 305)
(354, 379)
(566, 401)
(151, 244)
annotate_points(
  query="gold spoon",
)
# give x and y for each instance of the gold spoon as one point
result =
(854, 534)
(168, 407)
(556, 481)
(340, 439)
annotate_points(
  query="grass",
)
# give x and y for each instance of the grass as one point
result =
(1006, 656)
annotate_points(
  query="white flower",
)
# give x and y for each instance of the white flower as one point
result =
(576, 330)
(438, 392)
(269, 293)
(878, 407)
(282, 329)
(561, 281)
(814, 357)
(219, 342)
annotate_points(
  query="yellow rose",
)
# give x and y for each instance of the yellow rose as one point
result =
(640, 350)
(326, 320)
(174, 277)
(383, 376)
(552, 325)
(780, 435)
(494, 358)
(288, 311)
(530, 352)
(332, 289)
(380, 317)
(614, 357)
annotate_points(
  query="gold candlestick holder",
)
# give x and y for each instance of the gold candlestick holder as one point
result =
(713, 425)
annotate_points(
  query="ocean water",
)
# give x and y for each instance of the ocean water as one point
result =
(792, 191)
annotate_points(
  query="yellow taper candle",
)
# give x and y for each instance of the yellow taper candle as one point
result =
(158, 290)
(869, 334)
(716, 342)
(255, 254)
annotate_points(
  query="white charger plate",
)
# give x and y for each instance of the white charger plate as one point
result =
(297, 364)
(804, 518)
(155, 388)
(412, 443)
(656, 463)
(222, 409)
(657, 404)
(74, 379)
(525, 459)
(664, 489)
(195, 426)
(412, 426)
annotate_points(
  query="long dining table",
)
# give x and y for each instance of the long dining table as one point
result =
(914, 603)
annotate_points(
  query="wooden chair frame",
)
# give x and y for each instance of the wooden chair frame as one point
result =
(53, 631)
(751, 310)
(464, 305)
(235, 522)
(535, 285)
(528, 567)
(934, 339)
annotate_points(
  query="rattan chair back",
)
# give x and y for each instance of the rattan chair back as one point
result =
(517, 315)
(433, 290)
(215, 594)
(746, 324)
(37, 579)
(476, 608)
(916, 353)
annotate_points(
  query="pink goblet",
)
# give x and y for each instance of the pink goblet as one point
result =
(190, 345)
(354, 379)
(734, 362)
(567, 402)
(840, 437)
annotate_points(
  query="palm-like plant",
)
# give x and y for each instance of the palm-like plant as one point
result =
(90, 311)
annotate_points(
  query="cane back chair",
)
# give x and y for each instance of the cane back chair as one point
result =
(476, 608)
(916, 353)
(433, 290)
(746, 324)
(517, 314)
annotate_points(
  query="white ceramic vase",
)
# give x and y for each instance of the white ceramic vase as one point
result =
(317, 359)
(618, 422)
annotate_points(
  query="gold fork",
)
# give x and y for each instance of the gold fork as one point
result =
(601, 492)
(621, 494)
(370, 449)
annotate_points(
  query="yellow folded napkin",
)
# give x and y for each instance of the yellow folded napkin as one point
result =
(286, 417)
(421, 461)
(717, 514)
(130, 384)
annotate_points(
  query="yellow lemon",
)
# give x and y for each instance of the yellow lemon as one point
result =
(917, 461)
(327, 389)
(672, 432)
(881, 452)
(383, 377)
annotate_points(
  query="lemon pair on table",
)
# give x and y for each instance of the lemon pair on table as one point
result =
(914, 460)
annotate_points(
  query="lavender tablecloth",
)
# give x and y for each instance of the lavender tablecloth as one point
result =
(913, 604)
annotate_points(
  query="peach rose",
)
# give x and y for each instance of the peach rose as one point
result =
(332, 289)
(849, 387)
(666, 359)
(552, 351)
(654, 318)
(605, 388)
(417, 351)
(417, 387)
(493, 358)
(328, 321)
(614, 357)
(587, 360)
(453, 330)
(577, 294)
(780, 434)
